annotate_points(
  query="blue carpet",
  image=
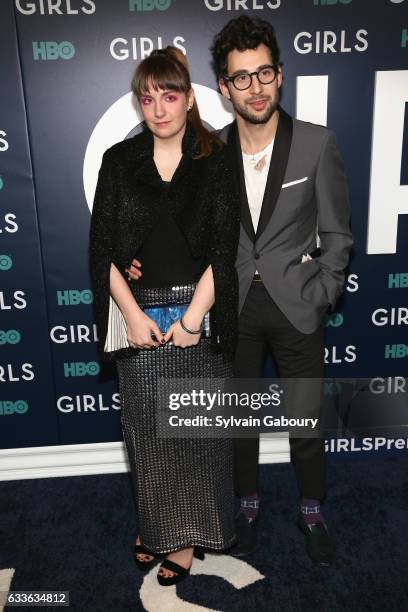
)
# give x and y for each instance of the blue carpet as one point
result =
(75, 534)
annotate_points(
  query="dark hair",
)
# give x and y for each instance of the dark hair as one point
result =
(168, 69)
(243, 33)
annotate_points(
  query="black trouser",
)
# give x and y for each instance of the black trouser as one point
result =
(263, 327)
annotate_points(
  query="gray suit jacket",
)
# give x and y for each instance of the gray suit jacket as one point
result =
(306, 188)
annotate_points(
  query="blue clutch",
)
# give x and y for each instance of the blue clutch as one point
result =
(164, 316)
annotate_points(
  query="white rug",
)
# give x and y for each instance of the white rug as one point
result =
(6, 576)
(237, 572)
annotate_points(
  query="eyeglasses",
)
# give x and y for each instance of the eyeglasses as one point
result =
(265, 75)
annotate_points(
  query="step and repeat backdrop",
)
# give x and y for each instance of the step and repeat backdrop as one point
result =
(66, 67)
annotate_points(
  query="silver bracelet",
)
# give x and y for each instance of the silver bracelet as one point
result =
(191, 331)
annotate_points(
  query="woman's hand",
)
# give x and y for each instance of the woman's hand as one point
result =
(140, 329)
(181, 338)
(134, 272)
(202, 301)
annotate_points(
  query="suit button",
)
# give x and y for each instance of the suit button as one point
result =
(256, 255)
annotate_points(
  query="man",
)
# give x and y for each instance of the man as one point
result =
(291, 181)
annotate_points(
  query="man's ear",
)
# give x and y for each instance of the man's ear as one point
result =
(224, 88)
(280, 76)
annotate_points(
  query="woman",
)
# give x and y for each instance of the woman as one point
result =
(164, 196)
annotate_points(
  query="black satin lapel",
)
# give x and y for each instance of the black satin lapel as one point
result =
(277, 169)
(235, 153)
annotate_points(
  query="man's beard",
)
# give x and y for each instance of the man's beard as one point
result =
(257, 118)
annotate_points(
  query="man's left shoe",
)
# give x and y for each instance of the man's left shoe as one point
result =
(319, 543)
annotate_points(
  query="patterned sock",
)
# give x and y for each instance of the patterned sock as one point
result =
(310, 509)
(249, 506)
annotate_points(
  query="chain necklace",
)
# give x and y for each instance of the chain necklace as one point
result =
(257, 160)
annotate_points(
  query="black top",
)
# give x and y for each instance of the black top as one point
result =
(165, 255)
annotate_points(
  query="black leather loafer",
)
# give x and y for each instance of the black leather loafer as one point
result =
(246, 536)
(319, 543)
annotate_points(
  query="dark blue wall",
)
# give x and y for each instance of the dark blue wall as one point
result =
(52, 97)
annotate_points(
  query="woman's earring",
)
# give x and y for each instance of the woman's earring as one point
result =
(189, 108)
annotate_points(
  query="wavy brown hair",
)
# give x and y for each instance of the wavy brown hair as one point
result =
(243, 33)
(168, 69)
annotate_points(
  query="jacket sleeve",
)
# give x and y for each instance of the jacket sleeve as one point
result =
(222, 252)
(333, 218)
(102, 231)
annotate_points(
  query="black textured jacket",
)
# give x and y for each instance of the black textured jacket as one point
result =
(203, 203)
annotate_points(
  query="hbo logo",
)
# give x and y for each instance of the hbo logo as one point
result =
(5, 262)
(73, 297)
(79, 368)
(18, 407)
(11, 336)
(332, 388)
(334, 320)
(397, 281)
(149, 5)
(50, 50)
(396, 351)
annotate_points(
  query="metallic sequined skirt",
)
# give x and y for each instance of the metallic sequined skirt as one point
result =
(183, 487)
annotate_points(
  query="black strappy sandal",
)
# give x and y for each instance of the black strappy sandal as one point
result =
(145, 565)
(180, 573)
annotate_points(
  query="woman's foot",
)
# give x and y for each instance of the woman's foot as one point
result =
(183, 557)
(143, 558)
(176, 566)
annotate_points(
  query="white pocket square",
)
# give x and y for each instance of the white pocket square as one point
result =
(302, 180)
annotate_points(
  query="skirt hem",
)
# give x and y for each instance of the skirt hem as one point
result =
(189, 544)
